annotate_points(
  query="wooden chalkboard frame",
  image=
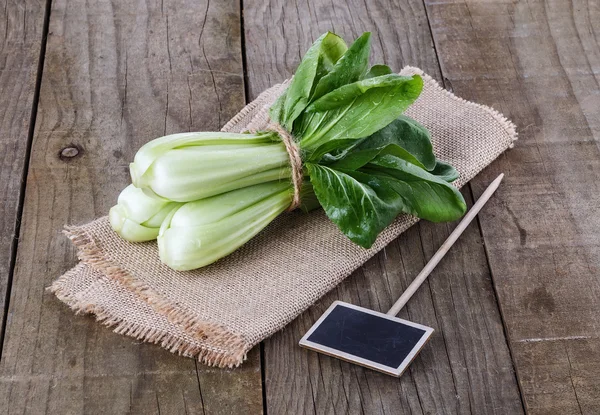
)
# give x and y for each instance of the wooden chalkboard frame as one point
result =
(394, 371)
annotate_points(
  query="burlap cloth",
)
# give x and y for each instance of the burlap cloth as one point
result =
(219, 312)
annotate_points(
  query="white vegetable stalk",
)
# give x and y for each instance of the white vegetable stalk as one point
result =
(199, 233)
(137, 217)
(191, 166)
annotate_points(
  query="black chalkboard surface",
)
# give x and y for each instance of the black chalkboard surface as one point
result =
(366, 337)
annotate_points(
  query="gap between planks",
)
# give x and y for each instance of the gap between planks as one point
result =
(32, 119)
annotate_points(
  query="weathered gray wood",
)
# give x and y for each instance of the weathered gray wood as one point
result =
(21, 25)
(116, 75)
(538, 62)
(466, 367)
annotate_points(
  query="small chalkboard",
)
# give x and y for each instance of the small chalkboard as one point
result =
(382, 341)
(366, 337)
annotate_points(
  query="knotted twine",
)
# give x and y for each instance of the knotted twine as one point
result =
(219, 312)
(295, 161)
(258, 123)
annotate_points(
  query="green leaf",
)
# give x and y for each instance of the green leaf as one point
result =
(354, 111)
(333, 48)
(357, 158)
(308, 200)
(316, 63)
(347, 94)
(378, 70)
(445, 171)
(359, 204)
(425, 195)
(349, 68)
(403, 137)
(408, 134)
(276, 112)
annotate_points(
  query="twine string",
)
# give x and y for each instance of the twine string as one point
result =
(295, 161)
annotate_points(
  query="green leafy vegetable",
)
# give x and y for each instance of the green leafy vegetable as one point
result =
(202, 195)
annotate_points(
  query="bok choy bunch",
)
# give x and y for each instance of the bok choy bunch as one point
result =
(339, 127)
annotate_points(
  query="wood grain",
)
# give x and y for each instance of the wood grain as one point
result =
(116, 75)
(120, 73)
(538, 62)
(21, 26)
(466, 367)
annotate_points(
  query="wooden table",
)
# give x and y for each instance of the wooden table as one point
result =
(515, 305)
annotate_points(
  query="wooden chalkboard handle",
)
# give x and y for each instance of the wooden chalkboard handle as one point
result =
(445, 247)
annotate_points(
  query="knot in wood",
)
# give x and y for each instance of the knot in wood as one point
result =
(69, 152)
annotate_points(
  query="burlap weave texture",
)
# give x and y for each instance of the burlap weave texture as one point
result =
(219, 312)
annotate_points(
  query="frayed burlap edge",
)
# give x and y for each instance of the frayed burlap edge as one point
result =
(233, 348)
(150, 335)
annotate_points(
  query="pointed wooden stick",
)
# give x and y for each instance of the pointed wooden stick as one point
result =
(445, 247)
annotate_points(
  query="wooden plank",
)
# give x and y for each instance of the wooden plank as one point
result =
(466, 367)
(538, 62)
(117, 73)
(21, 26)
